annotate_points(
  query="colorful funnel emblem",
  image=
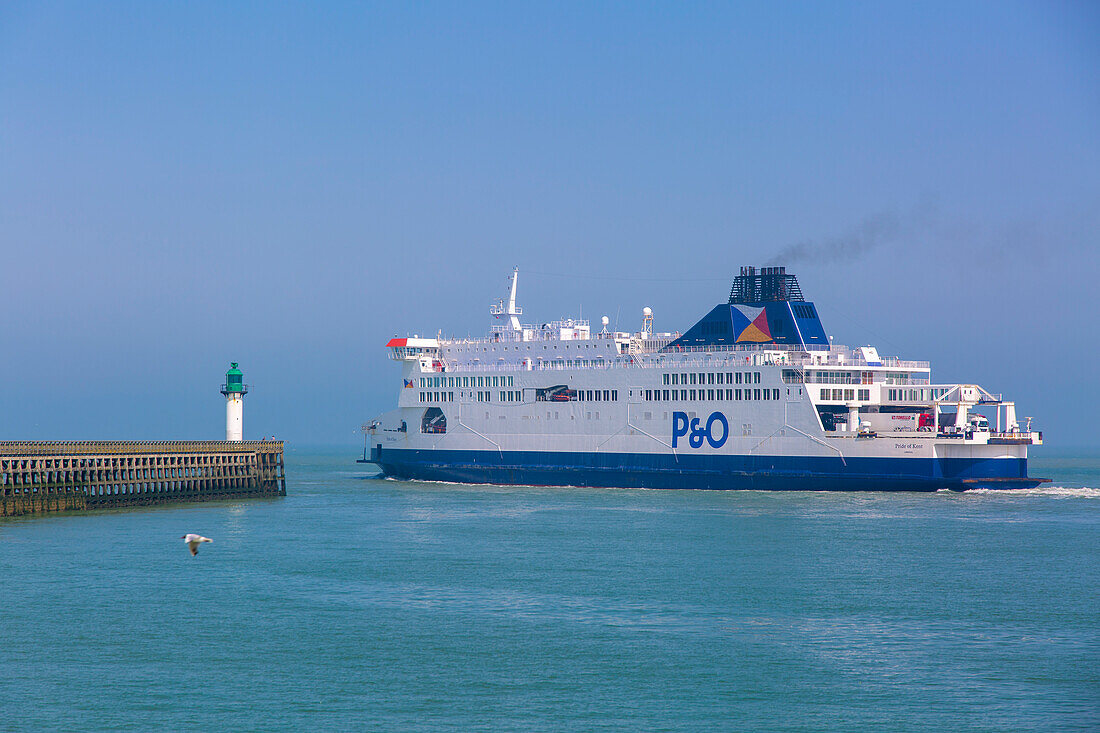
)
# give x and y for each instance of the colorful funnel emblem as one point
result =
(750, 324)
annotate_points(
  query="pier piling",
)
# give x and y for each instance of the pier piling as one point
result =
(58, 476)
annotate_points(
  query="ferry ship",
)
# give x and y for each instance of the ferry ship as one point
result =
(753, 396)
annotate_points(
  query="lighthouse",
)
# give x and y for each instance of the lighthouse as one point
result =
(234, 390)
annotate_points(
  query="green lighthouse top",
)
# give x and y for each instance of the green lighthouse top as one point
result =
(234, 381)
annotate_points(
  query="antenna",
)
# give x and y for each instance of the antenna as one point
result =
(511, 310)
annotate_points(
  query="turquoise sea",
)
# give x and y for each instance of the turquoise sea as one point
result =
(364, 604)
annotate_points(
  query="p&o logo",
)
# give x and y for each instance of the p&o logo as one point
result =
(697, 433)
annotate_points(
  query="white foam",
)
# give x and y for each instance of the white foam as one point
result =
(1064, 492)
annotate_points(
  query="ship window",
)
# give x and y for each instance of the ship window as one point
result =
(757, 379)
(767, 394)
(775, 394)
(666, 395)
(702, 378)
(710, 378)
(849, 394)
(693, 377)
(721, 377)
(675, 395)
(675, 378)
(865, 394)
(739, 377)
(648, 395)
(824, 394)
(614, 395)
(666, 378)
(757, 395)
(710, 394)
(693, 394)
(683, 378)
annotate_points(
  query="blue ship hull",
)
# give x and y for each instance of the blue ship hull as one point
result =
(652, 471)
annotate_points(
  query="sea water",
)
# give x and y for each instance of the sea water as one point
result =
(362, 604)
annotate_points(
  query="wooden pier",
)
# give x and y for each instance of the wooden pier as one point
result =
(59, 476)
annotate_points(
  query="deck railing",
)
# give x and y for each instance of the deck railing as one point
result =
(677, 361)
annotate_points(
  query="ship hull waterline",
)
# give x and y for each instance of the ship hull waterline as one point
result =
(649, 471)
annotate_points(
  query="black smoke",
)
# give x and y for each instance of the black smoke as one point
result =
(873, 232)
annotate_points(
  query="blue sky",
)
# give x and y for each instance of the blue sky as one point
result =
(289, 185)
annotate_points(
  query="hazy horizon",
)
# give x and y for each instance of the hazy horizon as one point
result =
(182, 186)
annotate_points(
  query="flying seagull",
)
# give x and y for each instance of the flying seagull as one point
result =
(193, 541)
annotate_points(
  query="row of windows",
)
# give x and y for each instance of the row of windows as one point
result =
(712, 378)
(913, 395)
(528, 347)
(655, 395)
(466, 382)
(596, 395)
(846, 377)
(845, 394)
(516, 395)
